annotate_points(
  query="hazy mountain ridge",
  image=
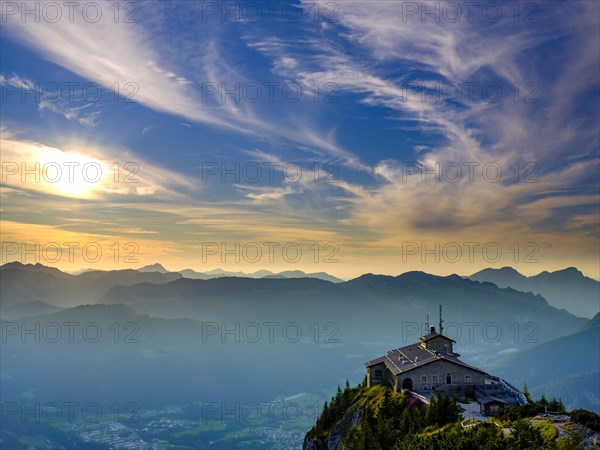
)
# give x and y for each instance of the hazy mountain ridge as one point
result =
(138, 353)
(35, 308)
(356, 321)
(37, 267)
(372, 306)
(31, 283)
(219, 273)
(568, 288)
(560, 366)
(411, 295)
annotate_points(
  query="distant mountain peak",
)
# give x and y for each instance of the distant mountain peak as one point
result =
(12, 264)
(37, 267)
(570, 271)
(156, 267)
(503, 271)
(509, 269)
(412, 273)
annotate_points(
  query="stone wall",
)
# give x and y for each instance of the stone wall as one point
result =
(439, 369)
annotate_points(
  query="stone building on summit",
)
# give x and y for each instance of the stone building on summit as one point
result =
(432, 365)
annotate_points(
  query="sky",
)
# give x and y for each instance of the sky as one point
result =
(339, 136)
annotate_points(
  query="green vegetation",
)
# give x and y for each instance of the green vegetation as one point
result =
(532, 408)
(334, 410)
(586, 418)
(385, 416)
(547, 430)
(377, 418)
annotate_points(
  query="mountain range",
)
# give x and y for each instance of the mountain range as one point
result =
(340, 326)
(220, 273)
(390, 310)
(25, 283)
(568, 288)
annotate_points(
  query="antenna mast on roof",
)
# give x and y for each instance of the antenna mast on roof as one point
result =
(427, 322)
(441, 321)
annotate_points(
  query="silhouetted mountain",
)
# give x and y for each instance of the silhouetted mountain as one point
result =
(37, 267)
(370, 305)
(391, 310)
(261, 273)
(80, 271)
(193, 275)
(224, 273)
(220, 273)
(153, 268)
(503, 277)
(567, 288)
(337, 324)
(31, 283)
(300, 274)
(567, 367)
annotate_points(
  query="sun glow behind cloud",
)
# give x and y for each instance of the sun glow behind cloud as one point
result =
(36, 167)
(81, 170)
(82, 173)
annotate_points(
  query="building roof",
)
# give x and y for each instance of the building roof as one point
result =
(490, 399)
(432, 335)
(405, 359)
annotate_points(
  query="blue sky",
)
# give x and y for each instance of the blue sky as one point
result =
(348, 103)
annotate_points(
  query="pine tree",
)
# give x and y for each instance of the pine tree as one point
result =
(527, 394)
(431, 417)
(325, 418)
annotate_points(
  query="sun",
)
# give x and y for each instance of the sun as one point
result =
(70, 174)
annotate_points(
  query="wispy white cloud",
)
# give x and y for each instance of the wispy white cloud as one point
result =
(167, 76)
(429, 53)
(71, 107)
(264, 195)
(17, 81)
(126, 55)
(74, 113)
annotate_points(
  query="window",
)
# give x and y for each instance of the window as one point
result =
(434, 378)
(378, 373)
(468, 378)
(423, 378)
